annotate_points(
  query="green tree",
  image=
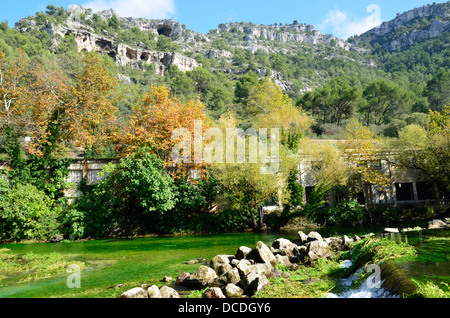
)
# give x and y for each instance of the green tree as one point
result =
(427, 150)
(244, 85)
(114, 22)
(384, 98)
(438, 90)
(140, 191)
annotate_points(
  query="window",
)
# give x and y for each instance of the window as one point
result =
(75, 176)
(308, 191)
(404, 191)
(94, 177)
(425, 191)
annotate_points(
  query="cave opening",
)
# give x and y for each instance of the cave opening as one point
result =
(104, 44)
(131, 54)
(166, 31)
(145, 57)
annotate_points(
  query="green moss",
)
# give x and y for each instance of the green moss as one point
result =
(15, 268)
(431, 290)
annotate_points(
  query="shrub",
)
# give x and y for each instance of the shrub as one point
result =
(26, 213)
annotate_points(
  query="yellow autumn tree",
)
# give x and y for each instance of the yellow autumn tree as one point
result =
(31, 95)
(91, 106)
(362, 152)
(272, 108)
(153, 121)
(39, 100)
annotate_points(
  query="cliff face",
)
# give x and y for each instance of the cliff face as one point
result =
(134, 57)
(410, 27)
(299, 33)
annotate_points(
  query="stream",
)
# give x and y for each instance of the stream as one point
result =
(128, 261)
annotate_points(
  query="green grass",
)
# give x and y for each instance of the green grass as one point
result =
(431, 290)
(307, 282)
(16, 268)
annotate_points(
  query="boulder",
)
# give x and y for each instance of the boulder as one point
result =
(303, 238)
(281, 244)
(318, 249)
(221, 263)
(233, 291)
(201, 278)
(391, 230)
(242, 252)
(137, 292)
(283, 260)
(167, 279)
(57, 239)
(314, 236)
(262, 269)
(336, 244)
(213, 292)
(254, 283)
(181, 278)
(262, 254)
(231, 276)
(243, 267)
(285, 247)
(168, 292)
(346, 243)
(153, 292)
(436, 224)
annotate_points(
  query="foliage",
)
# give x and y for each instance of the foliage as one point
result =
(383, 100)
(431, 290)
(438, 90)
(427, 150)
(361, 151)
(33, 267)
(376, 251)
(334, 101)
(269, 107)
(26, 214)
(328, 168)
(152, 123)
(140, 190)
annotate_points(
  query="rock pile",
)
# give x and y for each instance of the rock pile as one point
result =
(248, 271)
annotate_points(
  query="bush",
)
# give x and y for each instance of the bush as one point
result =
(134, 198)
(26, 214)
(347, 213)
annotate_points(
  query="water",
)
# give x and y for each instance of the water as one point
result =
(148, 260)
(431, 264)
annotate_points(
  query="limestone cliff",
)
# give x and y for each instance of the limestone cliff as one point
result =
(87, 40)
(410, 27)
(299, 33)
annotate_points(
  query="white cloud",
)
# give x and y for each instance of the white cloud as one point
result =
(342, 25)
(151, 9)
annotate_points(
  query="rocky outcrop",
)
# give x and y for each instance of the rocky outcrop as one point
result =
(88, 41)
(299, 33)
(402, 32)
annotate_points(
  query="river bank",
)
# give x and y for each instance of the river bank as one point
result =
(114, 266)
(255, 271)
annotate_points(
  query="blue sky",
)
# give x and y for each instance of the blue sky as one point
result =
(341, 18)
